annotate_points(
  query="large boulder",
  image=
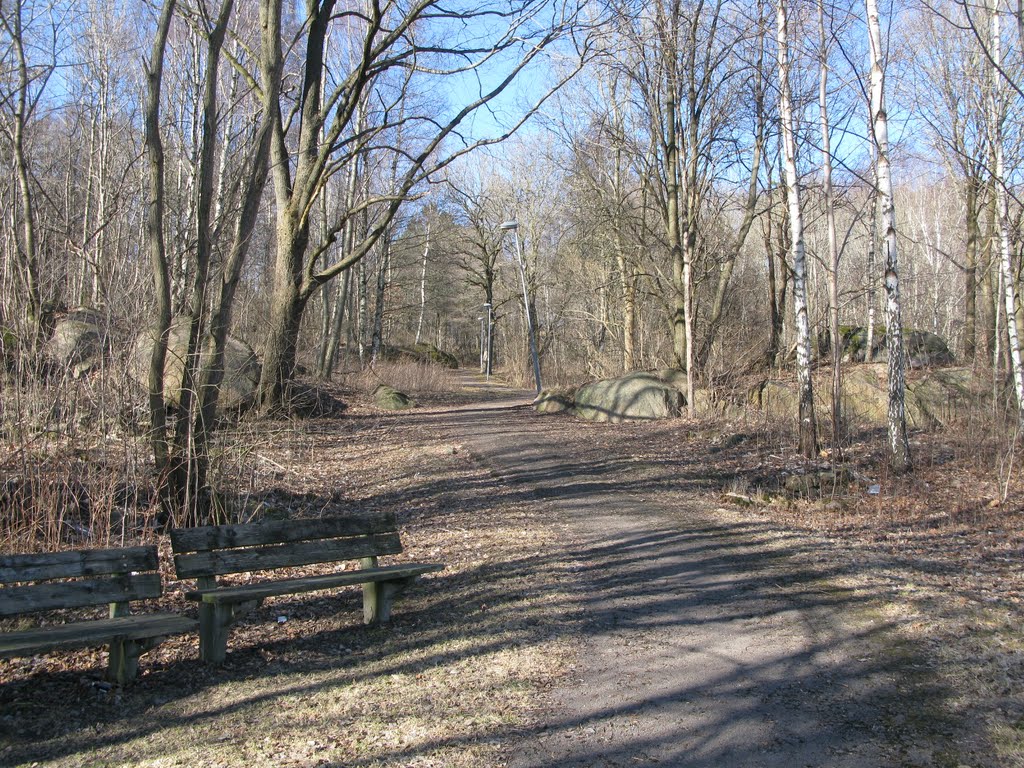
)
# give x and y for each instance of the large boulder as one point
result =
(638, 396)
(558, 400)
(674, 377)
(865, 394)
(428, 352)
(79, 341)
(924, 349)
(939, 398)
(421, 353)
(241, 367)
(390, 399)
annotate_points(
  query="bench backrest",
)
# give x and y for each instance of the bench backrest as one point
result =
(77, 579)
(215, 550)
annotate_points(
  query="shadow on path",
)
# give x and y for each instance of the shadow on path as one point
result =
(705, 643)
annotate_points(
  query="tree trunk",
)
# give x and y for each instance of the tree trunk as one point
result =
(158, 257)
(627, 289)
(287, 303)
(972, 215)
(997, 117)
(423, 286)
(377, 334)
(680, 300)
(833, 246)
(872, 260)
(899, 446)
(27, 248)
(808, 427)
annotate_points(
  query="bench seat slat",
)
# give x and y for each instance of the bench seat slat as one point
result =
(287, 555)
(90, 633)
(211, 537)
(265, 589)
(67, 565)
(76, 594)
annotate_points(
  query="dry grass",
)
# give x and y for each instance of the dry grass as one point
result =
(73, 465)
(456, 677)
(407, 376)
(448, 683)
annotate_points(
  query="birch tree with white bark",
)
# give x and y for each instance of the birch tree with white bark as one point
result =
(808, 427)
(899, 446)
(997, 117)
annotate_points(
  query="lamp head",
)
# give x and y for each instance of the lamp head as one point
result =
(513, 225)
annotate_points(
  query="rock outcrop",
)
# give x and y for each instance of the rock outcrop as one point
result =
(79, 341)
(938, 398)
(241, 367)
(637, 396)
(390, 399)
(559, 400)
(924, 349)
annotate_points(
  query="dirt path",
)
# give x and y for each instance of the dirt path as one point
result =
(705, 641)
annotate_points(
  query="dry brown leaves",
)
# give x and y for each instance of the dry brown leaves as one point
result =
(447, 683)
(457, 674)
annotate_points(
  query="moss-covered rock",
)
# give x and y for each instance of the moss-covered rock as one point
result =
(390, 399)
(79, 341)
(8, 346)
(433, 354)
(814, 485)
(637, 396)
(558, 400)
(924, 349)
(421, 353)
(241, 367)
(938, 398)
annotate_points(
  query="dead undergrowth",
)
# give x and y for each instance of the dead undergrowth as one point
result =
(455, 678)
(445, 684)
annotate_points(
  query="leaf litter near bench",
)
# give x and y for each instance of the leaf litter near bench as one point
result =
(452, 678)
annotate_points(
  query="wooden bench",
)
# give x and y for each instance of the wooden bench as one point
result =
(211, 551)
(85, 578)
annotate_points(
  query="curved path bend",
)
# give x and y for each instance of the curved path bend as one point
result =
(705, 643)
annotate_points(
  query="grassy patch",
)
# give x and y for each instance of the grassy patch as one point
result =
(454, 677)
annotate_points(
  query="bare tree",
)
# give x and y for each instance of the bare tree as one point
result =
(391, 46)
(182, 453)
(899, 446)
(19, 104)
(830, 223)
(951, 99)
(808, 427)
(997, 115)
(156, 244)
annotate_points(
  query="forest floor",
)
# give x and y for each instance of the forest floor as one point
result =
(613, 595)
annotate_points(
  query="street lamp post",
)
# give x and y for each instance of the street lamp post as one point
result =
(513, 226)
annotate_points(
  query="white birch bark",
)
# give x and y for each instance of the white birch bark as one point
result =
(996, 117)
(872, 265)
(423, 286)
(899, 446)
(833, 247)
(808, 429)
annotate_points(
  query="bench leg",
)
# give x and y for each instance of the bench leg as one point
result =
(215, 620)
(123, 666)
(378, 597)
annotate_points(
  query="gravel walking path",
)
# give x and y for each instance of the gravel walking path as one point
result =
(705, 640)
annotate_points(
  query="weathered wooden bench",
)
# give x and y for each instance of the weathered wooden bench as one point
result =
(208, 552)
(85, 578)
